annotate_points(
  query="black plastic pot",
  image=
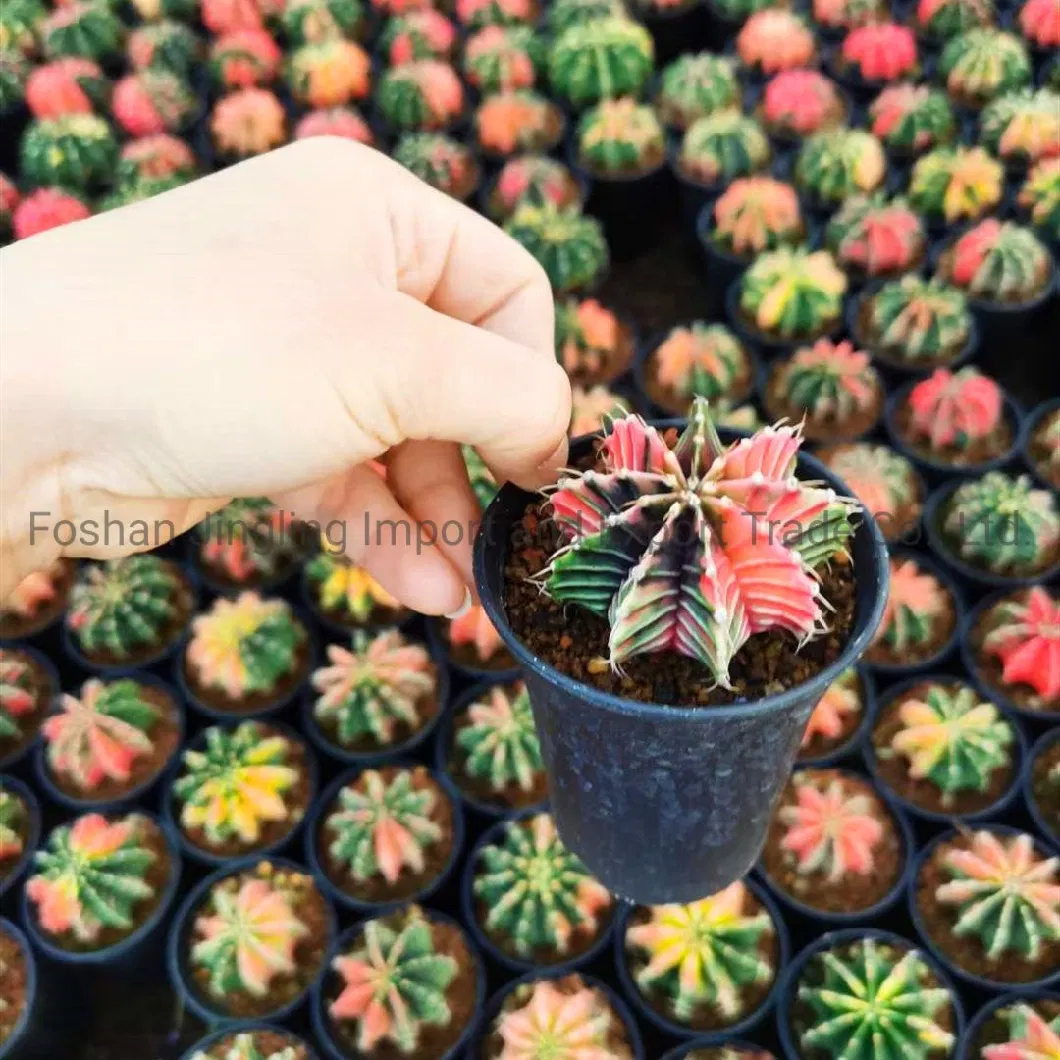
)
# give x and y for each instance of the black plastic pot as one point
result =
(21, 1042)
(750, 1023)
(667, 804)
(723, 270)
(10, 883)
(739, 1047)
(966, 1047)
(1046, 740)
(1031, 423)
(770, 345)
(440, 649)
(848, 751)
(214, 1039)
(720, 30)
(675, 32)
(347, 901)
(15, 759)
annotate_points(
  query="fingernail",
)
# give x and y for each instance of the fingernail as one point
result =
(463, 608)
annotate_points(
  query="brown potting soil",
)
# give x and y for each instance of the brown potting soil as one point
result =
(1040, 453)
(14, 626)
(426, 709)
(461, 996)
(996, 1030)
(995, 444)
(41, 688)
(677, 404)
(511, 796)
(1046, 792)
(893, 768)
(853, 892)
(967, 951)
(164, 735)
(617, 361)
(882, 653)
(820, 428)
(219, 700)
(22, 826)
(267, 1043)
(296, 799)
(310, 950)
(436, 855)
(819, 746)
(466, 655)
(867, 336)
(13, 984)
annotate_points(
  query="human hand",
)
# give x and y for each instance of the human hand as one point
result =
(266, 331)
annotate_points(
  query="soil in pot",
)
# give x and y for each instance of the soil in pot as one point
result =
(593, 344)
(387, 835)
(1045, 785)
(240, 790)
(472, 642)
(261, 1044)
(1013, 1025)
(112, 739)
(346, 595)
(999, 926)
(1043, 448)
(257, 940)
(938, 746)
(38, 600)
(833, 844)
(919, 618)
(14, 984)
(15, 830)
(26, 694)
(835, 719)
(533, 898)
(735, 927)
(444, 983)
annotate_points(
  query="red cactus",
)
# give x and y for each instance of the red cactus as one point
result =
(228, 16)
(971, 250)
(883, 52)
(1040, 23)
(47, 208)
(955, 409)
(246, 57)
(879, 238)
(9, 197)
(55, 89)
(151, 102)
(335, 121)
(802, 101)
(1026, 638)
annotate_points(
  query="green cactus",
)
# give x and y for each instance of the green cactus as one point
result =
(77, 152)
(601, 59)
(909, 118)
(441, 161)
(828, 381)
(740, 10)
(247, 539)
(501, 743)
(569, 246)
(705, 360)
(14, 69)
(12, 821)
(721, 147)
(20, 21)
(955, 184)
(835, 164)
(247, 1046)
(424, 95)
(620, 136)
(793, 293)
(1039, 198)
(939, 20)
(916, 319)
(983, 63)
(480, 476)
(90, 30)
(168, 46)
(310, 21)
(562, 14)
(696, 85)
(502, 58)
(138, 191)
(1022, 125)
(122, 605)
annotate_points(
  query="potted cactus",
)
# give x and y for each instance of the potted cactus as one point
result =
(938, 21)
(227, 16)
(250, 1041)
(798, 103)
(247, 122)
(165, 45)
(18, 988)
(1022, 127)
(1037, 25)
(306, 21)
(775, 39)
(45, 209)
(876, 55)
(419, 33)
(830, 387)
(441, 161)
(345, 122)
(66, 86)
(695, 85)
(503, 58)
(37, 601)
(472, 646)
(831, 166)
(835, 724)
(726, 1049)
(1014, 1025)
(20, 823)
(84, 30)
(949, 185)
(835, 18)
(245, 58)
(435, 989)
(560, 15)
(599, 59)
(509, 122)
(592, 408)
(532, 178)
(1038, 201)
(1041, 446)
(19, 23)
(155, 159)
(29, 685)
(75, 151)
(476, 14)
(329, 73)
(675, 25)
(1041, 785)
(569, 245)
(909, 119)
(982, 63)
(343, 596)
(593, 344)
(153, 101)
(876, 238)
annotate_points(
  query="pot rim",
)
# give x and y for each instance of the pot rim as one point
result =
(1010, 997)
(31, 801)
(1047, 738)
(21, 1030)
(243, 1027)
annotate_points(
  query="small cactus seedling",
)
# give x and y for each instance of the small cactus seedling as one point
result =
(1000, 891)
(871, 1000)
(88, 30)
(909, 118)
(247, 541)
(877, 237)
(775, 39)
(168, 46)
(155, 158)
(879, 53)
(474, 631)
(343, 588)
(695, 85)
(592, 408)
(1039, 25)
(588, 339)
(756, 214)
(76, 151)
(20, 21)
(560, 15)
(91, 876)
(439, 160)
(329, 73)
(620, 136)
(501, 58)
(799, 103)
(568, 245)
(883, 480)
(248, 122)
(343, 122)
(64, 87)
(39, 592)
(534, 893)
(940, 20)
(313, 21)
(18, 694)
(517, 121)
(723, 146)
(423, 95)
(12, 823)
(424, 34)
(1030, 1036)
(1039, 198)
(703, 360)
(1000, 523)
(1023, 634)
(834, 165)
(998, 261)
(499, 742)
(955, 410)
(980, 64)
(828, 381)
(793, 294)
(477, 14)
(533, 178)
(842, 701)
(394, 984)
(701, 956)
(45, 209)
(913, 320)
(917, 614)
(1022, 126)
(373, 687)
(956, 184)
(245, 58)
(599, 59)
(152, 101)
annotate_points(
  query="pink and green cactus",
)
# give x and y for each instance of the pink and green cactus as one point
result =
(702, 360)
(12, 824)
(776, 39)
(20, 21)
(882, 480)
(88, 30)
(330, 73)
(168, 46)
(560, 15)
(346, 589)
(91, 876)
(723, 146)
(756, 214)
(438, 160)
(45, 209)
(248, 122)
(998, 261)
(698, 601)
(877, 237)
(36, 591)
(588, 335)
(1024, 635)
(793, 293)
(519, 120)
(954, 184)
(913, 320)
(695, 85)
(834, 165)
(533, 178)
(418, 34)
(941, 20)
(601, 59)
(236, 784)
(1039, 24)
(499, 743)
(910, 118)
(916, 610)
(500, 58)
(569, 245)
(863, 986)
(702, 956)
(18, 693)
(983, 63)
(76, 151)
(621, 136)
(955, 410)
(245, 646)
(425, 95)
(475, 631)
(1039, 198)
(848, 14)
(245, 58)
(842, 699)
(256, 1045)
(344, 122)
(1000, 891)
(828, 381)
(535, 893)
(1022, 126)
(379, 683)
(101, 734)
(477, 14)
(247, 540)
(154, 159)
(152, 101)
(592, 408)
(394, 984)
(1001, 523)
(1030, 1035)
(798, 103)
(227, 16)
(64, 87)
(313, 21)
(880, 53)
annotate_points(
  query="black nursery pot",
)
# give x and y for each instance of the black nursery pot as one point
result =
(1031, 424)
(770, 345)
(667, 804)
(215, 1039)
(675, 32)
(20, 1043)
(969, 1047)
(14, 760)
(10, 883)
(723, 269)
(1034, 808)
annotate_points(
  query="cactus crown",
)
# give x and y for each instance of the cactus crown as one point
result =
(74, 151)
(620, 136)
(881, 51)
(1022, 125)
(305, 21)
(247, 539)
(757, 214)
(701, 955)
(1024, 633)
(500, 741)
(587, 336)
(872, 1000)
(835, 164)
(92, 875)
(955, 409)
(802, 102)
(1003, 893)
(249, 121)
(704, 360)
(982, 63)
(154, 158)
(829, 380)
(444, 163)
(12, 819)
(592, 408)
(883, 480)
(73, 86)
(916, 318)
(562, 14)
(395, 984)
(1030, 1036)
(17, 694)
(381, 682)
(776, 39)
(517, 120)
(474, 14)
(88, 30)
(236, 783)
(1040, 197)
(151, 101)
(344, 587)
(1037, 23)
(383, 826)
(418, 34)
(246, 645)
(911, 118)
(793, 292)
(601, 58)
(1000, 522)
(500, 58)
(952, 738)
(535, 179)
(329, 72)
(425, 95)
(841, 698)
(943, 19)
(47, 208)
(335, 121)
(876, 236)
(695, 85)
(721, 146)
(245, 57)
(956, 183)
(917, 603)
(568, 245)
(661, 541)
(1000, 261)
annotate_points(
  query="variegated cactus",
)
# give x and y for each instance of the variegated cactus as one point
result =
(883, 480)
(1030, 1036)
(842, 699)
(701, 956)
(722, 146)
(84, 29)
(379, 683)
(620, 136)
(562, 14)
(848, 14)
(776, 39)
(19, 24)
(306, 21)
(702, 360)
(236, 784)
(35, 591)
(91, 876)
(425, 95)
(592, 408)
(1039, 25)
(153, 159)
(245, 57)
(1039, 198)
(915, 319)
(438, 160)
(955, 409)
(998, 261)
(74, 151)
(344, 122)
(877, 236)
(1002, 523)
(829, 380)
(394, 984)
(246, 645)
(695, 85)
(982, 63)
(12, 822)
(835, 164)
(533, 178)
(384, 825)
(248, 122)
(600, 59)
(757, 214)
(250, 1045)
(418, 34)
(45, 209)
(66, 86)
(880, 52)
(587, 337)
(502, 58)
(1002, 892)
(535, 893)
(474, 630)
(1022, 126)
(956, 184)
(346, 589)
(152, 101)
(793, 293)
(330, 73)
(517, 120)
(1023, 633)
(910, 118)
(697, 601)
(500, 742)
(951, 738)
(568, 245)
(939, 20)
(799, 103)
(475, 14)
(867, 985)
(248, 539)
(916, 608)
(18, 694)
